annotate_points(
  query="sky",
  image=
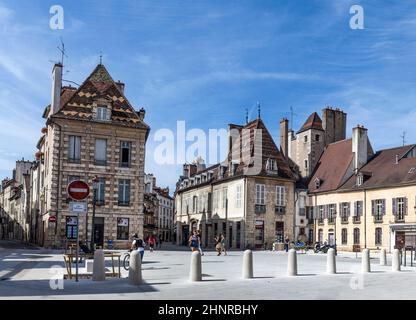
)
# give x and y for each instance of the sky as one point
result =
(205, 62)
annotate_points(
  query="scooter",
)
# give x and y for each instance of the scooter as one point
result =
(322, 248)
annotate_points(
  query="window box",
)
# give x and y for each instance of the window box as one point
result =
(260, 208)
(280, 210)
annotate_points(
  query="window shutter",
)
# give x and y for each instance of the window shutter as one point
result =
(209, 202)
(340, 209)
(335, 210)
(355, 212)
(348, 209)
(326, 208)
(284, 196)
(383, 207)
(405, 205)
(373, 207)
(394, 206)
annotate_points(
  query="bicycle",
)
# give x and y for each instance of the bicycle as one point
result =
(126, 261)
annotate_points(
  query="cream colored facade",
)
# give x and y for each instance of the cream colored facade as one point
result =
(390, 226)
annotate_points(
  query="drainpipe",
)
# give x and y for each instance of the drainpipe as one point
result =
(294, 216)
(365, 218)
(59, 178)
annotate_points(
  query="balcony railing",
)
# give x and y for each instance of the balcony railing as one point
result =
(280, 210)
(260, 208)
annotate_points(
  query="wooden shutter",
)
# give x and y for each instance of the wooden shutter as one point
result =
(373, 207)
(394, 206)
(405, 205)
(383, 207)
(348, 209)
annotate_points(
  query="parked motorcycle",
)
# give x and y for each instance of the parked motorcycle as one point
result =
(322, 247)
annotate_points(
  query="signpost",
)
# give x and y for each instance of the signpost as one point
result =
(78, 191)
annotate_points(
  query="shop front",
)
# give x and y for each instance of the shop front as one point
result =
(402, 235)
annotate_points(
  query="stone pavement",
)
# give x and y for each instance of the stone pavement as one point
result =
(26, 274)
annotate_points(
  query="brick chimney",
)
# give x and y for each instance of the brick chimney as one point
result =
(56, 88)
(284, 139)
(359, 146)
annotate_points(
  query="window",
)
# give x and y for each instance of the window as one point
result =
(71, 227)
(320, 236)
(344, 233)
(216, 199)
(74, 152)
(379, 237)
(317, 137)
(224, 197)
(321, 214)
(360, 180)
(238, 198)
(317, 183)
(101, 152)
(122, 228)
(271, 165)
(378, 209)
(332, 212)
(358, 211)
(280, 196)
(306, 164)
(305, 139)
(399, 208)
(102, 113)
(356, 236)
(195, 204)
(125, 147)
(344, 211)
(124, 192)
(100, 191)
(260, 194)
(280, 231)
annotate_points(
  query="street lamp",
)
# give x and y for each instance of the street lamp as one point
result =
(95, 181)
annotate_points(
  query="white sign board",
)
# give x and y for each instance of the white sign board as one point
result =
(78, 207)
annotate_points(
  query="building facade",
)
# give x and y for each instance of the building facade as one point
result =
(91, 133)
(249, 197)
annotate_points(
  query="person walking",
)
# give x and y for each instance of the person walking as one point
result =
(218, 244)
(287, 244)
(223, 245)
(152, 241)
(138, 244)
(199, 243)
(193, 241)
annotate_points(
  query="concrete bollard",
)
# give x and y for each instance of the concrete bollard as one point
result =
(383, 257)
(248, 264)
(292, 264)
(365, 261)
(395, 264)
(89, 265)
(135, 268)
(98, 269)
(196, 267)
(331, 266)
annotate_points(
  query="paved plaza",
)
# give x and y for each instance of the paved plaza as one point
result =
(26, 273)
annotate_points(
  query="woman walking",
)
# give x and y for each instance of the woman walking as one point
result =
(223, 245)
(218, 245)
(194, 241)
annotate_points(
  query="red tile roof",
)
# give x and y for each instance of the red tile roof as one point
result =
(334, 167)
(313, 122)
(382, 170)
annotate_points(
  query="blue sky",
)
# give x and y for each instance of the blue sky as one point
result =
(206, 61)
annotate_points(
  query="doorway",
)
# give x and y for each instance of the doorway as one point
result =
(99, 232)
(259, 234)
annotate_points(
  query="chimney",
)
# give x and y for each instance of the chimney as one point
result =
(397, 159)
(141, 113)
(359, 146)
(284, 132)
(56, 88)
(120, 86)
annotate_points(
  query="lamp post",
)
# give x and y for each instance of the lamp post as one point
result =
(95, 181)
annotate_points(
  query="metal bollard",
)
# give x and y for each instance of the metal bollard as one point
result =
(383, 257)
(248, 264)
(98, 271)
(135, 268)
(196, 267)
(395, 264)
(365, 261)
(331, 266)
(292, 264)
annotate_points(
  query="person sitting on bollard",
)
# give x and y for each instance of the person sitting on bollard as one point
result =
(194, 241)
(138, 244)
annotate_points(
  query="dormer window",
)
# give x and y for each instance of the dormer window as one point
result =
(360, 180)
(102, 113)
(317, 183)
(271, 165)
(233, 168)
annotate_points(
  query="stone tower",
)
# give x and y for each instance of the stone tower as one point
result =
(334, 123)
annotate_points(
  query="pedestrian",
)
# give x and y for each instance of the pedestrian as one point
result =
(160, 242)
(223, 245)
(193, 241)
(287, 243)
(218, 244)
(152, 241)
(137, 244)
(199, 243)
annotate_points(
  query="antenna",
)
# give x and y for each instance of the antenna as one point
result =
(101, 57)
(403, 136)
(62, 51)
(246, 115)
(258, 109)
(292, 115)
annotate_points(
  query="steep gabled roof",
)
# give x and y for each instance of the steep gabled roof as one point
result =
(313, 122)
(334, 167)
(383, 171)
(77, 103)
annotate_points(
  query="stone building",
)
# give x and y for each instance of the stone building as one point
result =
(303, 150)
(151, 209)
(165, 222)
(363, 199)
(90, 131)
(249, 197)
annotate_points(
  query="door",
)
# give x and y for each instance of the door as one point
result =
(331, 238)
(185, 233)
(99, 232)
(238, 235)
(259, 234)
(400, 240)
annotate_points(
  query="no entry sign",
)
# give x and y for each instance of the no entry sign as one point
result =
(78, 190)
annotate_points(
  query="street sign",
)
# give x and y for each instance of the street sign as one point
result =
(52, 219)
(78, 190)
(78, 207)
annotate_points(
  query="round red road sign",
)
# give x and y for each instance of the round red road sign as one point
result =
(52, 219)
(78, 190)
